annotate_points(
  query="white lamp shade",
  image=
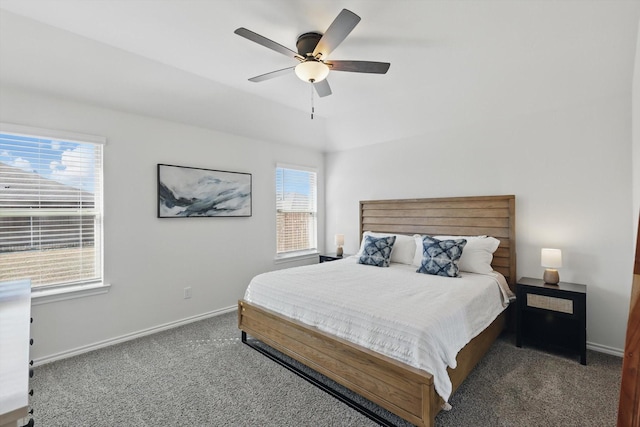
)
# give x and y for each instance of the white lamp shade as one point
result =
(312, 71)
(339, 239)
(551, 258)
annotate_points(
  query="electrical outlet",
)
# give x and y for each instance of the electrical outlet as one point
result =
(187, 292)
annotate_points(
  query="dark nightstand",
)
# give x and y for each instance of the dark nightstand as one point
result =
(552, 316)
(331, 257)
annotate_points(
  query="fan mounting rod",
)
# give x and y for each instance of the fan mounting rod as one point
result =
(307, 43)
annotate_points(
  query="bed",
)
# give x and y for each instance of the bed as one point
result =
(400, 388)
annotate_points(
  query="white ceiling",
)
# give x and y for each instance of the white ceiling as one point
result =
(453, 63)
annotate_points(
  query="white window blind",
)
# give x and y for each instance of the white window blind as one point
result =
(296, 209)
(50, 207)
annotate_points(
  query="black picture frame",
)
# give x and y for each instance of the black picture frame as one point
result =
(188, 192)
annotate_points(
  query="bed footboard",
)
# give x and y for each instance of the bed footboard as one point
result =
(401, 389)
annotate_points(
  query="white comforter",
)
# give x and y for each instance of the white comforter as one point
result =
(419, 319)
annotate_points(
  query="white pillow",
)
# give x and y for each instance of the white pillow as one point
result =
(476, 255)
(403, 249)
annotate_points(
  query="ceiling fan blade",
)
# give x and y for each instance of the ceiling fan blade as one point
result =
(339, 29)
(322, 88)
(359, 66)
(271, 75)
(257, 38)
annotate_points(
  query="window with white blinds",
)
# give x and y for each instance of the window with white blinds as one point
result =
(50, 206)
(296, 210)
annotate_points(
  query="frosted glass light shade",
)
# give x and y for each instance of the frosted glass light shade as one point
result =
(312, 71)
(551, 258)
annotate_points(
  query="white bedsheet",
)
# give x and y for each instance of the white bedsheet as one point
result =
(418, 319)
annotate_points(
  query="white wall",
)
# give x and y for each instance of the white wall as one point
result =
(570, 170)
(149, 261)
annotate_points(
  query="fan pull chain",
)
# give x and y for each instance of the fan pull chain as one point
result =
(312, 107)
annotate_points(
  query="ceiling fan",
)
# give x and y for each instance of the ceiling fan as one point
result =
(313, 50)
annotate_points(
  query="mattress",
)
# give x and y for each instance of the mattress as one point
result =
(418, 319)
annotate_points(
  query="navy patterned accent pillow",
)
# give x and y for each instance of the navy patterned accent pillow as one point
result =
(377, 251)
(441, 257)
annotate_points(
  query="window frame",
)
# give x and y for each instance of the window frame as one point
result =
(302, 253)
(73, 289)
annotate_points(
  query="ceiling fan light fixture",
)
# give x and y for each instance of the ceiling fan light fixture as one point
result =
(312, 71)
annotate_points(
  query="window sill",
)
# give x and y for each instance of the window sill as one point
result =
(44, 296)
(297, 256)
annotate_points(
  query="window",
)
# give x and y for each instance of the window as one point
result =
(50, 207)
(296, 210)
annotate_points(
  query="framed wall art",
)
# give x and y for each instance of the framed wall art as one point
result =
(196, 192)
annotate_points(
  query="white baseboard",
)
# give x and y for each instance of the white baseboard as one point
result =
(101, 344)
(605, 349)
(131, 336)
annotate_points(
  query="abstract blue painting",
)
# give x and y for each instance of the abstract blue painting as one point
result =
(195, 192)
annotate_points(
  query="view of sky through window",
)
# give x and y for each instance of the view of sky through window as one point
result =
(66, 162)
(294, 181)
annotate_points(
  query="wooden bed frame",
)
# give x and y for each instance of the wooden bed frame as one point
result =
(401, 389)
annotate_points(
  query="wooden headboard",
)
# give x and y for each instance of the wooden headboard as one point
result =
(459, 216)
